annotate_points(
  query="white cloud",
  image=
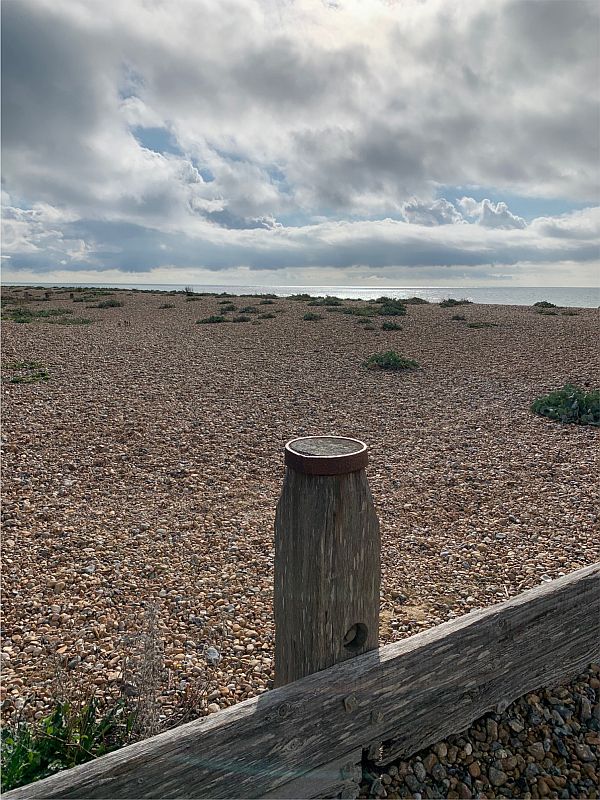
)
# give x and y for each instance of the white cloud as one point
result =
(284, 113)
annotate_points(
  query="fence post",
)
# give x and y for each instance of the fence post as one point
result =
(327, 558)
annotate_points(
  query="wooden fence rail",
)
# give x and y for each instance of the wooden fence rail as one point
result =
(297, 739)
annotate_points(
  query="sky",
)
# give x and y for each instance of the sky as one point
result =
(294, 142)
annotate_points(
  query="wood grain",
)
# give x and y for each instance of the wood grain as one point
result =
(421, 690)
(327, 573)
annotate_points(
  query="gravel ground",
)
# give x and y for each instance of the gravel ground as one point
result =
(146, 470)
(546, 744)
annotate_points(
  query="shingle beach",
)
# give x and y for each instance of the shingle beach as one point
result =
(146, 469)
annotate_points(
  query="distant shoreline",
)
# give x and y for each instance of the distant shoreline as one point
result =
(566, 296)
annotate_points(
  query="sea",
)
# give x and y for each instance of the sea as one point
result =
(569, 296)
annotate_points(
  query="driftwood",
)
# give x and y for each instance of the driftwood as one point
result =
(407, 695)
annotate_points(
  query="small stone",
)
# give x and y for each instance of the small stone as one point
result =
(430, 761)
(213, 708)
(497, 776)
(583, 752)
(536, 750)
(463, 791)
(441, 750)
(419, 771)
(474, 769)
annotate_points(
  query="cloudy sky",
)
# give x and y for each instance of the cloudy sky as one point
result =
(416, 142)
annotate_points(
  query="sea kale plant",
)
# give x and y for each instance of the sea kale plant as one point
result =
(570, 404)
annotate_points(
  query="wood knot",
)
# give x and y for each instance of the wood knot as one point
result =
(350, 703)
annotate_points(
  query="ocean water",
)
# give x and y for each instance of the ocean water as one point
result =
(577, 297)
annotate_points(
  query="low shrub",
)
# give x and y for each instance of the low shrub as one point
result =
(241, 318)
(66, 737)
(570, 404)
(31, 377)
(389, 360)
(267, 316)
(214, 318)
(415, 301)
(395, 309)
(570, 313)
(70, 321)
(544, 304)
(369, 327)
(167, 305)
(458, 317)
(360, 311)
(391, 326)
(302, 297)
(227, 305)
(249, 310)
(267, 302)
(326, 301)
(450, 302)
(312, 317)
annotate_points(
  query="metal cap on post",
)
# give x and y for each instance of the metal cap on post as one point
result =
(327, 558)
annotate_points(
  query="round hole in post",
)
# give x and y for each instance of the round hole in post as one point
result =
(356, 637)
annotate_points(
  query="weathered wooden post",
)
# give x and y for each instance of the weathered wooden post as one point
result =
(327, 558)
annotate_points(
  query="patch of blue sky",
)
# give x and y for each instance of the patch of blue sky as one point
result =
(205, 172)
(527, 207)
(160, 140)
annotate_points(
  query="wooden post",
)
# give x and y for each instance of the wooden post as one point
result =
(327, 558)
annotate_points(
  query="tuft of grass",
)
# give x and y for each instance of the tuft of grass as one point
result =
(214, 318)
(570, 313)
(570, 404)
(458, 317)
(21, 365)
(389, 360)
(68, 736)
(388, 325)
(482, 325)
(241, 318)
(24, 314)
(268, 315)
(226, 306)
(544, 304)
(312, 317)
(360, 311)
(415, 301)
(267, 302)
(450, 302)
(369, 327)
(302, 297)
(326, 301)
(167, 305)
(395, 309)
(249, 310)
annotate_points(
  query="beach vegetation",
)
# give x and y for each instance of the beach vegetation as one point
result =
(249, 310)
(388, 325)
(311, 317)
(69, 735)
(451, 302)
(360, 311)
(241, 318)
(390, 360)
(167, 305)
(214, 318)
(326, 301)
(268, 315)
(268, 301)
(303, 297)
(458, 317)
(70, 321)
(395, 309)
(482, 325)
(570, 313)
(415, 301)
(544, 304)
(571, 405)
(227, 305)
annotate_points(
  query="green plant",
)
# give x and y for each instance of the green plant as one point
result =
(20, 365)
(241, 318)
(546, 312)
(267, 316)
(360, 311)
(415, 301)
(450, 302)
(249, 310)
(31, 377)
(312, 317)
(395, 309)
(458, 317)
(68, 736)
(303, 296)
(52, 312)
(326, 301)
(369, 327)
(570, 313)
(267, 302)
(544, 304)
(167, 305)
(391, 326)
(227, 305)
(570, 404)
(212, 319)
(482, 325)
(389, 360)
